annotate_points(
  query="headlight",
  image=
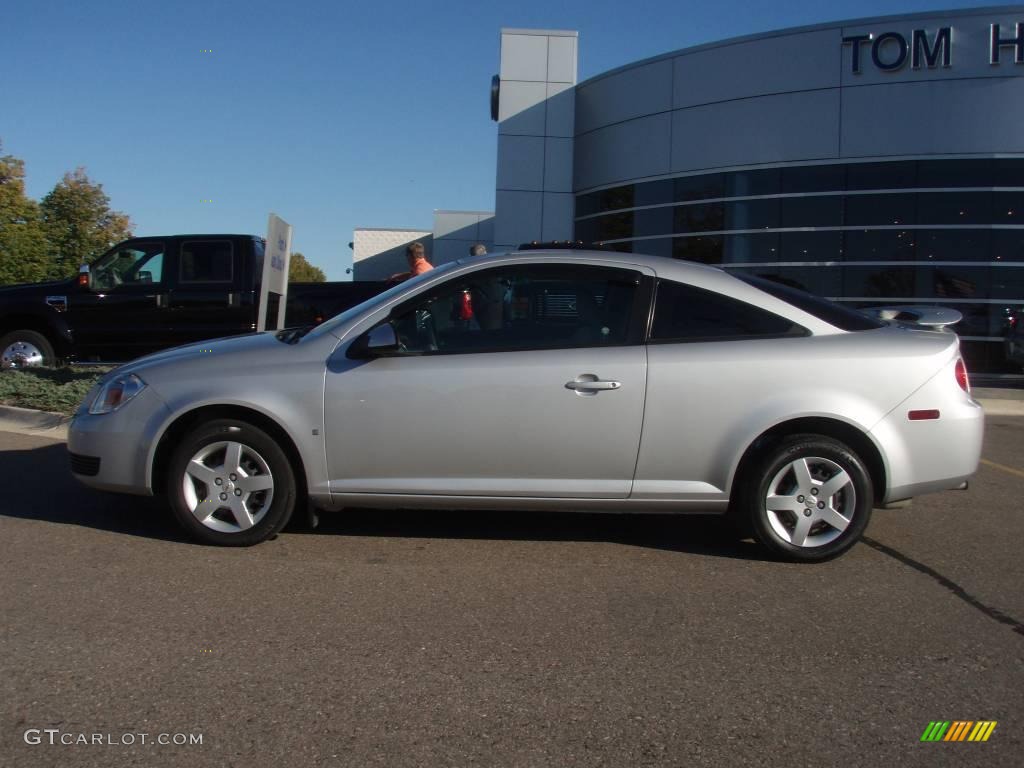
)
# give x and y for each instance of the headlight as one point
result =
(116, 393)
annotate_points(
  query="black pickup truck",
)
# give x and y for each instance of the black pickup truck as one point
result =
(151, 293)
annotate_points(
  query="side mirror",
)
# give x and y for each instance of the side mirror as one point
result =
(84, 277)
(377, 342)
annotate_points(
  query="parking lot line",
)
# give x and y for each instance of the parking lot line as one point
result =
(1011, 470)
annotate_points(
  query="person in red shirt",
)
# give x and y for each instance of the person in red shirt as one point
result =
(418, 263)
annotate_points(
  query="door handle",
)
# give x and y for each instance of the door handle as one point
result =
(588, 384)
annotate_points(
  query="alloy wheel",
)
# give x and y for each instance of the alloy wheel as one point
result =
(228, 486)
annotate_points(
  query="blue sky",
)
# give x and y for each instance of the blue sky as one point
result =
(334, 115)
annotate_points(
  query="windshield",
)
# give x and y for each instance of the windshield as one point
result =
(382, 298)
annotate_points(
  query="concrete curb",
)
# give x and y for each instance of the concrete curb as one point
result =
(54, 426)
(27, 421)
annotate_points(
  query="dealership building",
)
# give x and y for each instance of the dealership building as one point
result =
(876, 161)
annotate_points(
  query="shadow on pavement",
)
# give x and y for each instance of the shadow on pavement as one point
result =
(704, 535)
(59, 498)
(42, 488)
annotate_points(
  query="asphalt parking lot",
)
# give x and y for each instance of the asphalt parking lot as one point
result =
(396, 638)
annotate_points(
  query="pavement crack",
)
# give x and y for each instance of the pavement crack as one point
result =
(952, 586)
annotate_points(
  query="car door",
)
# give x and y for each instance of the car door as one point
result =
(123, 312)
(523, 380)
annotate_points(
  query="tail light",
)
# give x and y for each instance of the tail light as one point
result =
(961, 375)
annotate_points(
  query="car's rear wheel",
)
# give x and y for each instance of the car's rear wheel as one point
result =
(809, 498)
(25, 349)
(230, 484)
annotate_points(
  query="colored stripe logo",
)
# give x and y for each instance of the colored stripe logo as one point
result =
(959, 730)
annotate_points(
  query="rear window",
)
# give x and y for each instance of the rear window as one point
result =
(841, 317)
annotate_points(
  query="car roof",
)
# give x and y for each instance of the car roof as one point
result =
(660, 264)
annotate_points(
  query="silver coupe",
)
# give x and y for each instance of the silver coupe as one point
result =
(548, 380)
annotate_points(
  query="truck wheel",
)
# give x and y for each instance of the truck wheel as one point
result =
(25, 349)
(230, 484)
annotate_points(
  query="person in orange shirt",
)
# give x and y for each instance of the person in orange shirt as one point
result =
(418, 263)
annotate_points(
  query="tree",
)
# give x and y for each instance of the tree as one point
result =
(79, 224)
(22, 240)
(301, 271)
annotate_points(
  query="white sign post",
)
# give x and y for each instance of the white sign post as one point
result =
(274, 285)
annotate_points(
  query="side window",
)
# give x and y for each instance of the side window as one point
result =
(686, 313)
(206, 261)
(524, 307)
(140, 264)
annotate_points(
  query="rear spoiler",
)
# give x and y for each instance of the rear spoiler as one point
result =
(935, 318)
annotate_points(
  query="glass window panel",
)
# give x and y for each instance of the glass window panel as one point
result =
(587, 204)
(614, 226)
(749, 183)
(653, 192)
(954, 173)
(879, 245)
(814, 178)
(954, 245)
(653, 221)
(1008, 245)
(706, 249)
(686, 313)
(701, 187)
(812, 211)
(1008, 207)
(957, 282)
(586, 231)
(954, 208)
(811, 246)
(709, 217)
(897, 175)
(882, 282)
(1008, 172)
(605, 200)
(660, 246)
(751, 248)
(752, 214)
(522, 307)
(881, 209)
(1007, 282)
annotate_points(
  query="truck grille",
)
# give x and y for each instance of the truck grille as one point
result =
(89, 466)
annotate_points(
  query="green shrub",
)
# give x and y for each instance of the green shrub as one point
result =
(48, 389)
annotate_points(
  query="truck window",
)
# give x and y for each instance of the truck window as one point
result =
(139, 264)
(206, 261)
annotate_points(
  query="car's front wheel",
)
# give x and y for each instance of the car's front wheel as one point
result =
(809, 498)
(230, 484)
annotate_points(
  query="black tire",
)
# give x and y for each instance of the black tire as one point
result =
(36, 339)
(775, 466)
(257, 445)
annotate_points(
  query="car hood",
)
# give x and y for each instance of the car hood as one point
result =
(265, 343)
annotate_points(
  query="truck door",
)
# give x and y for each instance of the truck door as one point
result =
(123, 312)
(206, 299)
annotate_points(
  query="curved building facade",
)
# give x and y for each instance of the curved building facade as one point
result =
(878, 161)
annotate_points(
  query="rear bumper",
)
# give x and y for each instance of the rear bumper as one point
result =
(931, 455)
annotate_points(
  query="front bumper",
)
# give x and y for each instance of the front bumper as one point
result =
(119, 443)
